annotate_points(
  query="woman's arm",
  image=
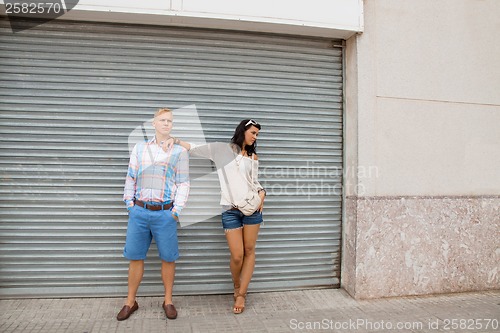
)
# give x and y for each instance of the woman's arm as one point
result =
(204, 150)
(171, 141)
(260, 190)
(184, 144)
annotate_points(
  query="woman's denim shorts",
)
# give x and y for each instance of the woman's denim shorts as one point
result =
(234, 219)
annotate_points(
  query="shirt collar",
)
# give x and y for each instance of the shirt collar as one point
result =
(152, 140)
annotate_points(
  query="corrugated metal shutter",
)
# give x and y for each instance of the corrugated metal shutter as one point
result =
(72, 92)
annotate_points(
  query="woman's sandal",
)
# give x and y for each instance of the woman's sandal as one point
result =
(239, 309)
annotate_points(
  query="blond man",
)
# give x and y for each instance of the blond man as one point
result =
(156, 190)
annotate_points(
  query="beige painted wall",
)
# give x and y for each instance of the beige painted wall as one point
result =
(423, 85)
(422, 140)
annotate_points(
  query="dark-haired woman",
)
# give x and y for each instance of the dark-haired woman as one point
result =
(237, 167)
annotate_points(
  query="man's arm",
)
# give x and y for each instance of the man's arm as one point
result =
(131, 179)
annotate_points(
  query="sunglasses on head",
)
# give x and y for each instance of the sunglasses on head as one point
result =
(252, 122)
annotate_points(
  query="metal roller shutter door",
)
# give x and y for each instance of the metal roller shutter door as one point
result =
(71, 93)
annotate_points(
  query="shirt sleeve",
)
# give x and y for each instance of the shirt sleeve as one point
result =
(256, 183)
(131, 179)
(182, 183)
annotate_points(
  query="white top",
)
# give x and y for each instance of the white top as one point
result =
(238, 170)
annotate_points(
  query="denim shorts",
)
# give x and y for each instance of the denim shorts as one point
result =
(234, 219)
(143, 226)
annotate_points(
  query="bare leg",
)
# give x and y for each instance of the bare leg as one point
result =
(135, 273)
(250, 233)
(235, 241)
(167, 276)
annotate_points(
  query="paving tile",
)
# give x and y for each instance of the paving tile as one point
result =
(322, 310)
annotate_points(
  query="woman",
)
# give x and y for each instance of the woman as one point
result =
(237, 168)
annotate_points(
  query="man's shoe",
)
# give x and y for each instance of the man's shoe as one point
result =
(170, 310)
(126, 311)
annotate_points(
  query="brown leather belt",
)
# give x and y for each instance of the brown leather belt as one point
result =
(153, 207)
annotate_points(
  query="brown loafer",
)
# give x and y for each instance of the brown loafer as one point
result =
(126, 311)
(170, 310)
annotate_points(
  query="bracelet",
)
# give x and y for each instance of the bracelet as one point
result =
(265, 193)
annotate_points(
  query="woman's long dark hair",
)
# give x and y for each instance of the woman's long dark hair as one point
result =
(239, 135)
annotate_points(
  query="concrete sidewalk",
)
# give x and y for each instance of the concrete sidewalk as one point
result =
(326, 310)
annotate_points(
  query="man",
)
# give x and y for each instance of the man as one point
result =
(156, 190)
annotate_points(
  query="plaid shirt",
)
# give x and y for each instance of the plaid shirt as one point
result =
(157, 175)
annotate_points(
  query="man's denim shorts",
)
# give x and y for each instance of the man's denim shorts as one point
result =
(234, 219)
(143, 226)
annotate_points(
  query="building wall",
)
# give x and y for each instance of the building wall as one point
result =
(422, 143)
(421, 128)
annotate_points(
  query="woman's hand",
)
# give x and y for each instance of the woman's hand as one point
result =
(262, 195)
(168, 144)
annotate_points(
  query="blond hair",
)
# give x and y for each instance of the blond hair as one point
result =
(162, 111)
